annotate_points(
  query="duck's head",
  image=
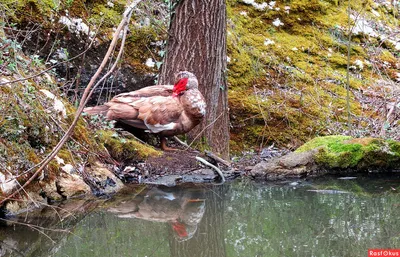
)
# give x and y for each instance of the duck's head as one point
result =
(184, 80)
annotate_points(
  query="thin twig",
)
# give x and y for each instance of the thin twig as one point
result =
(212, 166)
(217, 158)
(181, 142)
(38, 228)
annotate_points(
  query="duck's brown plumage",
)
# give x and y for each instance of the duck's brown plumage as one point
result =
(163, 109)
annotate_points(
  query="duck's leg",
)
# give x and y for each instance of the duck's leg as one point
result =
(164, 146)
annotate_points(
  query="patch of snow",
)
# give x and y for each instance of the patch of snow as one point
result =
(76, 25)
(58, 105)
(150, 63)
(7, 184)
(294, 49)
(59, 160)
(4, 80)
(362, 26)
(260, 7)
(359, 64)
(110, 4)
(268, 42)
(277, 22)
(61, 54)
(68, 168)
(396, 43)
(244, 13)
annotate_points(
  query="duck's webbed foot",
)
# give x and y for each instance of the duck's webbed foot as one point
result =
(164, 146)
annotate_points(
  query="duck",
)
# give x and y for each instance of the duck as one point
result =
(166, 110)
(182, 208)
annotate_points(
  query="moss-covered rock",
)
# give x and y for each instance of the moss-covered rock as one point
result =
(343, 152)
(333, 154)
(124, 148)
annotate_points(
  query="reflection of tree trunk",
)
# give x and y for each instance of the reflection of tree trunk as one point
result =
(197, 43)
(209, 238)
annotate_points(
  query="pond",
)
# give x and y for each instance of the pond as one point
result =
(331, 216)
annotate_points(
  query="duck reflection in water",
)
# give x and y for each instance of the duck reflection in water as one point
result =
(183, 208)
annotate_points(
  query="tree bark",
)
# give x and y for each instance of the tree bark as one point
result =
(197, 43)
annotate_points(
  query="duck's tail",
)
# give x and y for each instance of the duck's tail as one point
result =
(100, 109)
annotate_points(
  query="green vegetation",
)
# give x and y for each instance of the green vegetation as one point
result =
(124, 149)
(287, 83)
(33, 119)
(345, 152)
(286, 79)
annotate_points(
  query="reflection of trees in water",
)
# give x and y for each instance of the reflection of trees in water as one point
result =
(237, 219)
(208, 240)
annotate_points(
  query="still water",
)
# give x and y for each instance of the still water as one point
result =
(325, 217)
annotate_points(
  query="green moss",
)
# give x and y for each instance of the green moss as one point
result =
(333, 152)
(139, 45)
(109, 17)
(329, 141)
(124, 148)
(394, 146)
(363, 153)
(300, 78)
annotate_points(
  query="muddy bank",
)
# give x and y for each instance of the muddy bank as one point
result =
(320, 156)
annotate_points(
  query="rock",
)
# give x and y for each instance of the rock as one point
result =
(291, 165)
(25, 203)
(50, 190)
(102, 180)
(69, 185)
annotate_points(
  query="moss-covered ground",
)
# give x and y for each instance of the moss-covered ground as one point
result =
(288, 82)
(287, 63)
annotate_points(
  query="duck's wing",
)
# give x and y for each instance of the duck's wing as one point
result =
(159, 90)
(155, 114)
(161, 113)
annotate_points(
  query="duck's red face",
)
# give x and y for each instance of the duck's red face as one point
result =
(180, 86)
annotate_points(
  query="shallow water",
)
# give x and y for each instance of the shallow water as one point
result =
(324, 217)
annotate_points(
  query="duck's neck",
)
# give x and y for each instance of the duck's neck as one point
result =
(193, 103)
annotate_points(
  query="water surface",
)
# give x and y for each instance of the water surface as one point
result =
(325, 217)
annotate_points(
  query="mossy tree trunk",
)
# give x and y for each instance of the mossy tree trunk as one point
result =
(197, 43)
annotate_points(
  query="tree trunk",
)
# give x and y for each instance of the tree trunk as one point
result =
(197, 43)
